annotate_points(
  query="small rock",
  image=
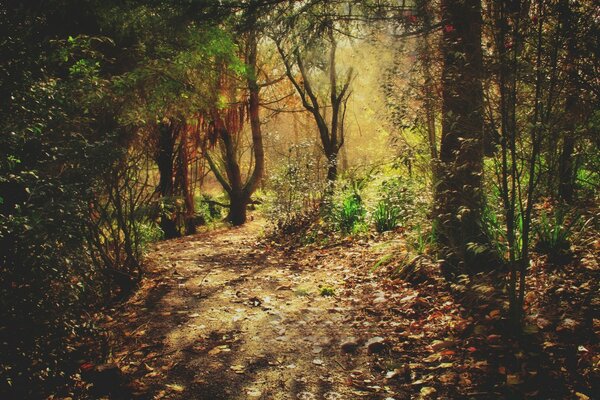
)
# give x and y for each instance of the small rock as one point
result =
(349, 346)
(375, 345)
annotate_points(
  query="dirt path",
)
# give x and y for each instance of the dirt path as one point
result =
(223, 318)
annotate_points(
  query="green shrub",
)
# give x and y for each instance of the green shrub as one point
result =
(295, 188)
(400, 202)
(327, 291)
(208, 209)
(423, 239)
(495, 231)
(149, 233)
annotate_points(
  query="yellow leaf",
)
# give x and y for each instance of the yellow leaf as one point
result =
(175, 387)
(214, 351)
(238, 369)
(427, 390)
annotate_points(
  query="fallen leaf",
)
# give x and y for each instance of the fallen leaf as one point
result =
(214, 351)
(427, 391)
(238, 369)
(438, 345)
(175, 387)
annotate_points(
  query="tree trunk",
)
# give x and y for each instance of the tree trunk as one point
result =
(254, 116)
(238, 205)
(332, 168)
(566, 172)
(332, 136)
(184, 183)
(239, 191)
(164, 161)
(458, 195)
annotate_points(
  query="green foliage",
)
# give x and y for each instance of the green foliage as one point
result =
(57, 142)
(385, 216)
(149, 233)
(383, 261)
(423, 240)
(349, 213)
(553, 234)
(494, 230)
(399, 203)
(74, 207)
(327, 291)
(208, 209)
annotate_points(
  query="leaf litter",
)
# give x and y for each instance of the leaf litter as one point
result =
(250, 322)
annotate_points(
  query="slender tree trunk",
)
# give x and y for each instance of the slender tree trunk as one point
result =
(254, 115)
(426, 49)
(459, 197)
(184, 182)
(332, 135)
(164, 161)
(566, 188)
(566, 170)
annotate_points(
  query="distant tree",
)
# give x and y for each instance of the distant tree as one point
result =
(328, 111)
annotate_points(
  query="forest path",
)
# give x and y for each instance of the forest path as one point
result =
(223, 317)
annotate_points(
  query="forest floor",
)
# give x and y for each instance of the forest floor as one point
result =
(228, 315)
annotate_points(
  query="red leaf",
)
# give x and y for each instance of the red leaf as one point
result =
(87, 366)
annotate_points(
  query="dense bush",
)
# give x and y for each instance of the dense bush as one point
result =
(208, 209)
(47, 187)
(74, 212)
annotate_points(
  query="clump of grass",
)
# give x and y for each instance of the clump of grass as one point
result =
(386, 216)
(383, 261)
(553, 234)
(327, 291)
(423, 239)
(348, 214)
